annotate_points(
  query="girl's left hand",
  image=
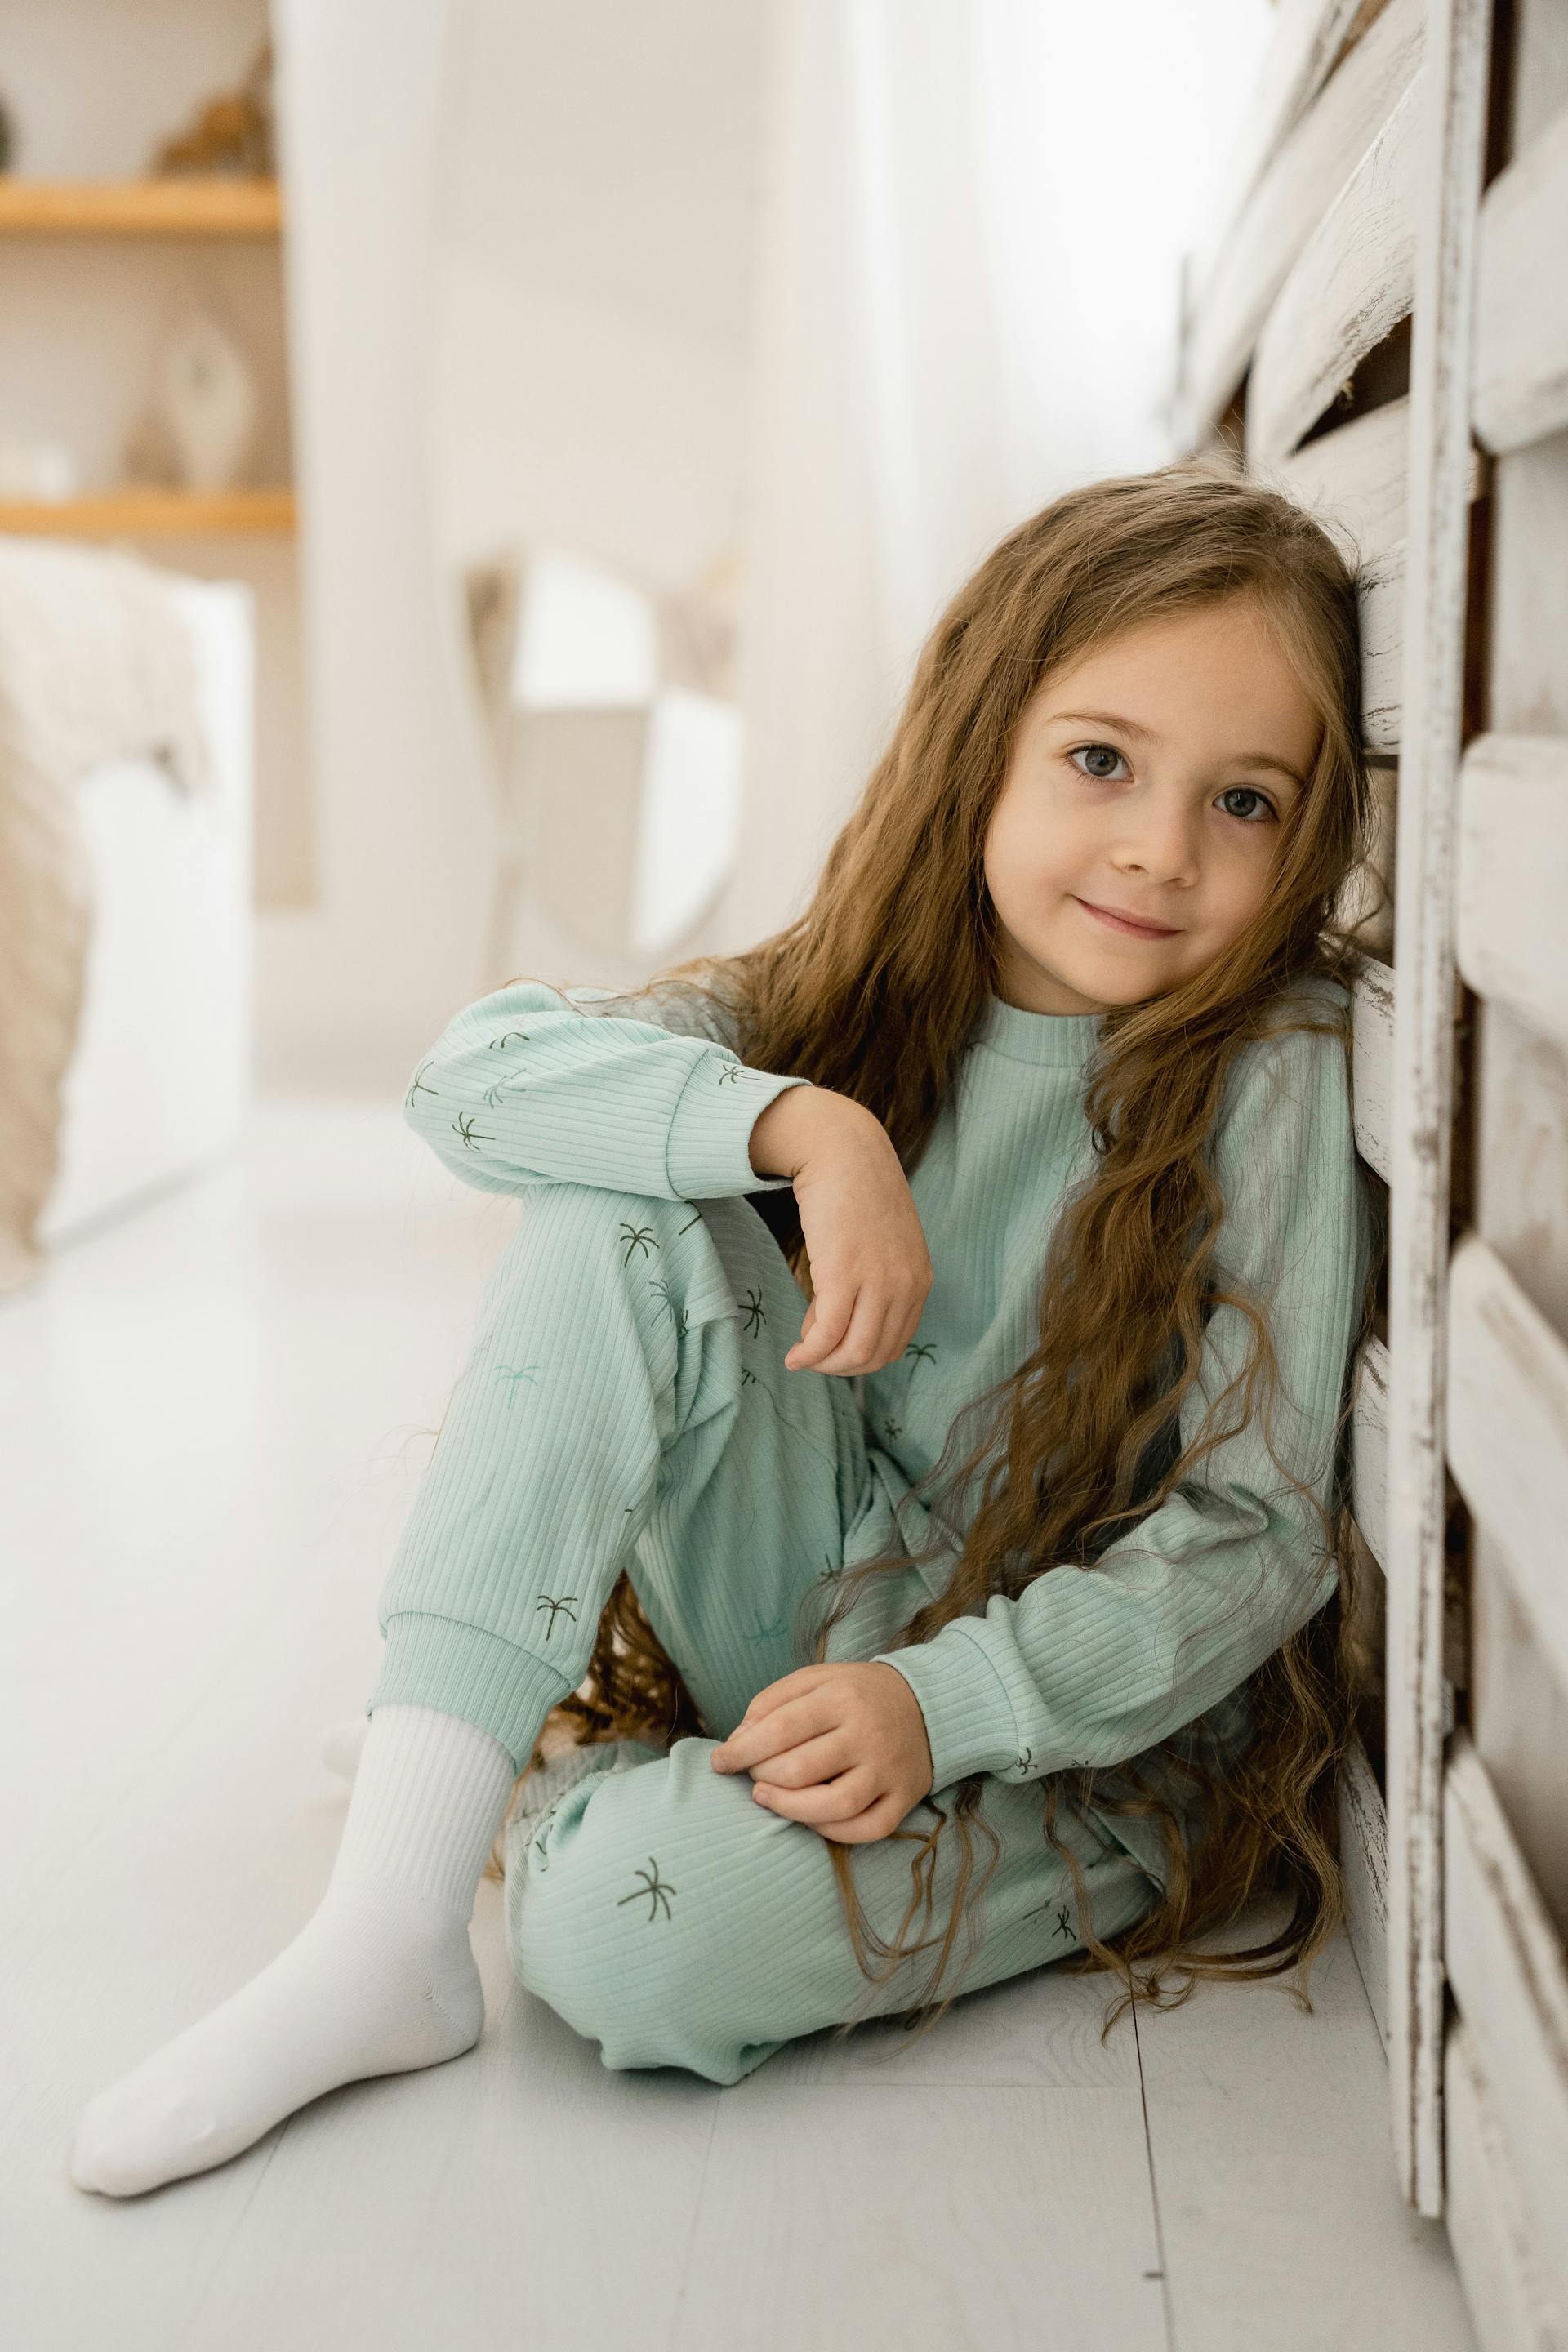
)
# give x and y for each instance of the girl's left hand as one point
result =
(841, 1748)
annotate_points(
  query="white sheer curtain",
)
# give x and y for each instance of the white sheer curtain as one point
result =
(967, 301)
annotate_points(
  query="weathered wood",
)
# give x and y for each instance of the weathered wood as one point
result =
(1453, 85)
(1305, 175)
(1349, 288)
(1369, 1447)
(1508, 1431)
(1509, 934)
(1310, 36)
(1509, 2297)
(1364, 1850)
(1520, 392)
(1353, 480)
(1507, 1967)
(1382, 599)
(1372, 1064)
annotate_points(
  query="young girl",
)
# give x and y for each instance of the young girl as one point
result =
(1030, 1526)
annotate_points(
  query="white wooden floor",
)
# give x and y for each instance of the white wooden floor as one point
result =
(215, 1411)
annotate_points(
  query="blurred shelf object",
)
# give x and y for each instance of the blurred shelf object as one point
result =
(153, 514)
(210, 205)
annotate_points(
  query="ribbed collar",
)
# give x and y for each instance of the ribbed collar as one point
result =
(1064, 1038)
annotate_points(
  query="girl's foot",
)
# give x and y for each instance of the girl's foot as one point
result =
(382, 1979)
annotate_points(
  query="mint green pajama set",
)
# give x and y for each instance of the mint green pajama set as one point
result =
(625, 1404)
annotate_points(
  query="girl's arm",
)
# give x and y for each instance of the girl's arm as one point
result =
(1090, 1665)
(531, 1085)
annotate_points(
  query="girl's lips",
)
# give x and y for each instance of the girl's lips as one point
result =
(1122, 923)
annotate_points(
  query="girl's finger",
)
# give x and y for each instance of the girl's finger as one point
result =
(757, 1738)
(831, 1311)
(855, 1346)
(811, 1760)
(841, 1799)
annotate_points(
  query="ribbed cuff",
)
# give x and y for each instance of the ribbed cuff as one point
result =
(708, 1149)
(969, 1717)
(464, 1670)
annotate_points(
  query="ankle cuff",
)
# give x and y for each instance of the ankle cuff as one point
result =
(464, 1670)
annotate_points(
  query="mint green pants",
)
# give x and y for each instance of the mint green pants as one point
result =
(625, 1404)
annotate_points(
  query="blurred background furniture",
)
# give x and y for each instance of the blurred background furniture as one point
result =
(159, 1079)
(618, 776)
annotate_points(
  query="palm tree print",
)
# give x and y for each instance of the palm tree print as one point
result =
(419, 1087)
(754, 1316)
(637, 1237)
(492, 1095)
(1025, 1762)
(774, 1632)
(922, 1350)
(463, 1125)
(505, 1037)
(657, 1891)
(748, 1378)
(555, 1607)
(891, 1429)
(729, 1073)
(1064, 1924)
(515, 1373)
(681, 1315)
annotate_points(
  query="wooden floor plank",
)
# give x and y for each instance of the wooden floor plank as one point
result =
(1279, 2211)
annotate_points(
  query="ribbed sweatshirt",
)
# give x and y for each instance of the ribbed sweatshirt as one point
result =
(1087, 1665)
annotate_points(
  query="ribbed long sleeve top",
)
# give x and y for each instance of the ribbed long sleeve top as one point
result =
(1088, 1665)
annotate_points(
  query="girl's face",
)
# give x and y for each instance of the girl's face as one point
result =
(1153, 778)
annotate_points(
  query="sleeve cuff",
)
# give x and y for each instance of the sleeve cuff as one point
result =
(970, 1723)
(708, 1154)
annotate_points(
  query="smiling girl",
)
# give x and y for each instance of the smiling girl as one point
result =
(1030, 1529)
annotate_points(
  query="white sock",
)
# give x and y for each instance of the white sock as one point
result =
(380, 1979)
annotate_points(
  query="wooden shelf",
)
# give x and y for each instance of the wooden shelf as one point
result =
(176, 207)
(152, 514)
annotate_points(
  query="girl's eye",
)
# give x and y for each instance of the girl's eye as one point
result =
(1100, 775)
(1249, 793)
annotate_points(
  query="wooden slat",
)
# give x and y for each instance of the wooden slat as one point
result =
(1521, 297)
(1364, 1849)
(1452, 85)
(1298, 185)
(1506, 1969)
(1511, 2299)
(1350, 287)
(1310, 36)
(1381, 594)
(1353, 480)
(1372, 1064)
(1508, 1431)
(1369, 1447)
(1511, 935)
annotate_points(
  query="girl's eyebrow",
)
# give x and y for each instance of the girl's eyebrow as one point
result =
(1130, 727)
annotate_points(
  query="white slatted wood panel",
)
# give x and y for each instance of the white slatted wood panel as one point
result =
(1511, 2299)
(1301, 179)
(1521, 300)
(1445, 194)
(1512, 931)
(1372, 1066)
(1506, 1964)
(1351, 286)
(1507, 1432)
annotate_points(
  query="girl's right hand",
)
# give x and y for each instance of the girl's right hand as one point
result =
(870, 1269)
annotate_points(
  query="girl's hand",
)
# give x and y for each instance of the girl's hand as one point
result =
(870, 1269)
(841, 1748)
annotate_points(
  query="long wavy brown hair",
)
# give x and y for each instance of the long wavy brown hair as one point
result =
(873, 991)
